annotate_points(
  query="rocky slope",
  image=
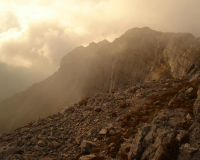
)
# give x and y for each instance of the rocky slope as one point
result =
(154, 120)
(137, 56)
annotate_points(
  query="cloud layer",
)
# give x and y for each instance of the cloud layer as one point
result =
(36, 34)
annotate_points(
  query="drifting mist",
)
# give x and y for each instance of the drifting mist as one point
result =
(35, 35)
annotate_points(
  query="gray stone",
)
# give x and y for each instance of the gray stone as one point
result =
(54, 144)
(78, 140)
(137, 148)
(103, 131)
(98, 109)
(189, 90)
(87, 145)
(45, 131)
(181, 134)
(186, 152)
(34, 140)
(62, 111)
(88, 157)
(111, 132)
(41, 143)
(158, 153)
(197, 108)
(90, 108)
(188, 117)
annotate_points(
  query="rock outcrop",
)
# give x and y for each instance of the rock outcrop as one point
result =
(153, 120)
(137, 56)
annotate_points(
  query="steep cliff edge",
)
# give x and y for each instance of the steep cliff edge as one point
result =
(137, 56)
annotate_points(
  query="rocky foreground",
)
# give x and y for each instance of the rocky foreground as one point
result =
(155, 120)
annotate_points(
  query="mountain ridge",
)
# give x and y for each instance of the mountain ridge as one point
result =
(139, 55)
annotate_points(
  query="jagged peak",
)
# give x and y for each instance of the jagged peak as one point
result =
(92, 43)
(145, 30)
(137, 29)
(103, 42)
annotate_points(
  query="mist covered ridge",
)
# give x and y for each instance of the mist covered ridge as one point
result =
(134, 96)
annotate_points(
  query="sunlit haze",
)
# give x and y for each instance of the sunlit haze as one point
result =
(36, 34)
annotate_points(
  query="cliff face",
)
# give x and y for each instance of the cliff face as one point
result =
(137, 56)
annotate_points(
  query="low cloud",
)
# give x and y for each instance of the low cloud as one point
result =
(35, 52)
(44, 43)
(35, 35)
(17, 79)
(9, 21)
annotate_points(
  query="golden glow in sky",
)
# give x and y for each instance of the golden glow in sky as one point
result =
(38, 33)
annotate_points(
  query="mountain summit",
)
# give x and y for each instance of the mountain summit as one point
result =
(137, 98)
(139, 55)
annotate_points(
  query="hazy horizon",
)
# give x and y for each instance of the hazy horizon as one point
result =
(36, 34)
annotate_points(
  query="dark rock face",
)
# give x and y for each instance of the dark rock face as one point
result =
(137, 56)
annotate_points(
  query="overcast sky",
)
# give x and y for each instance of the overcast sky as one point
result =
(36, 34)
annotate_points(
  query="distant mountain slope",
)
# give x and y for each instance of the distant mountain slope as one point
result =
(138, 55)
